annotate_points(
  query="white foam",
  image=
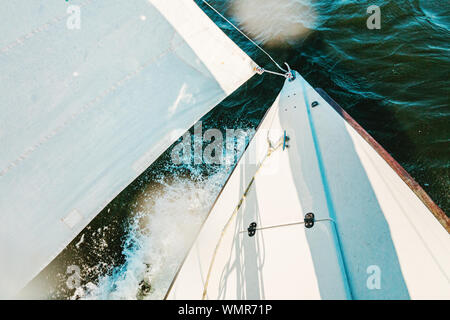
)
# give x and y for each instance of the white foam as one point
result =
(167, 220)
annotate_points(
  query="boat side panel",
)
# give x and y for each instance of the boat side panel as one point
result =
(402, 173)
(382, 224)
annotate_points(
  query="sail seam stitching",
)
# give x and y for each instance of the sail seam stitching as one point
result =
(74, 115)
(20, 40)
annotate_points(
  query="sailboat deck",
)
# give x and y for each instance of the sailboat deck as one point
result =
(369, 222)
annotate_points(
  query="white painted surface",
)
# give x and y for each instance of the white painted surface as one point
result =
(328, 169)
(380, 220)
(85, 111)
(278, 263)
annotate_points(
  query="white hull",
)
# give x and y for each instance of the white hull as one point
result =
(375, 236)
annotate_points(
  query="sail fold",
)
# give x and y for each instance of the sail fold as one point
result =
(90, 96)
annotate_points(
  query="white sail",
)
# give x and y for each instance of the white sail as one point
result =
(89, 98)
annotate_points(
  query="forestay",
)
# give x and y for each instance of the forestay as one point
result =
(85, 111)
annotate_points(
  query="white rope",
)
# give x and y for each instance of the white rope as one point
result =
(271, 149)
(287, 225)
(261, 70)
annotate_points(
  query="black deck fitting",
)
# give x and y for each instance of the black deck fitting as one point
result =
(309, 220)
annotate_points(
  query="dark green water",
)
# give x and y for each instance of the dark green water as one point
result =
(394, 81)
